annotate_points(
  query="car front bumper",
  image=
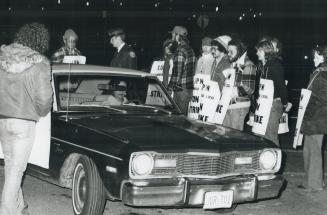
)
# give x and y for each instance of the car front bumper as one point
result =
(186, 192)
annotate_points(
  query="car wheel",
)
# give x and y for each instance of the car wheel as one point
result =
(88, 192)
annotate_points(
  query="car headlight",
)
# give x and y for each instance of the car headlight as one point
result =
(268, 159)
(142, 164)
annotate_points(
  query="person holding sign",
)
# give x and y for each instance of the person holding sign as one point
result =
(219, 50)
(241, 76)
(69, 49)
(26, 96)
(272, 93)
(314, 124)
(181, 82)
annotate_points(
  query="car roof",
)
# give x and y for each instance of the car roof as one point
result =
(96, 69)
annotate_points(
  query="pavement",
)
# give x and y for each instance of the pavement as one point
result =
(48, 199)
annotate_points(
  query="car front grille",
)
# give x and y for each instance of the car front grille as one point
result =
(208, 164)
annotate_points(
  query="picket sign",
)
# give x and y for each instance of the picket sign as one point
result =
(226, 97)
(41, 147)
(157, 69)
(72, 59)
(304, 101)
(205, 98)
(264, 104)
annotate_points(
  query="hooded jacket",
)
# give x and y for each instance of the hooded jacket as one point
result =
(25, 89)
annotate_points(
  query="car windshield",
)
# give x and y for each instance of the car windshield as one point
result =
(111, 93)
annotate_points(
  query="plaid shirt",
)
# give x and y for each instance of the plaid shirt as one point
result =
(59, 55)
(245, 76)
(184, 68)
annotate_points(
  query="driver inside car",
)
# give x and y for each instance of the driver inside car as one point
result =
(115, 94)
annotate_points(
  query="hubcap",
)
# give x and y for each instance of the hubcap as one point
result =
(80, 190)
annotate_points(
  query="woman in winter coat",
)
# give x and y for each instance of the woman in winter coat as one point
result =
(271, 68)
(314, 124)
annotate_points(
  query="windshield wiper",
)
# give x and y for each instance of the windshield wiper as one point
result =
(155, 109)
(96, 105)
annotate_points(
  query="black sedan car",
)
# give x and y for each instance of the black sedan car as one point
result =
(117, 134)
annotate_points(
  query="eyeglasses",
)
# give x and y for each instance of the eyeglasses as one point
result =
(120, 88)
(214, 48)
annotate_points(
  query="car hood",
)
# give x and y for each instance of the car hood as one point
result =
(167, 131)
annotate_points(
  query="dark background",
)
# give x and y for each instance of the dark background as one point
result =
(299, 24)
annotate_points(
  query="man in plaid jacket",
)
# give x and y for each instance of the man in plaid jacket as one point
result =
(245, 81)
(184, 61)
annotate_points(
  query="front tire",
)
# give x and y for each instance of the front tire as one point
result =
(88, 192)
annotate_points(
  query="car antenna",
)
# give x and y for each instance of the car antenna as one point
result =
(68, 93)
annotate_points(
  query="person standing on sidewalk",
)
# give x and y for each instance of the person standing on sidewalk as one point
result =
(314, 124)
(184, 62)
(271, 69)
(204, 64)
(219, 50)
(26, 95)
(70, 39)
(244, 86)
(125, 56)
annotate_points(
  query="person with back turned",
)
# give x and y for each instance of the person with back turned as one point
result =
(26, 95)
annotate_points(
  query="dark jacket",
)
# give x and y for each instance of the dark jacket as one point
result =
(25, 88)
(274, 70)
(315, 116)
(125, 58)
(217, 74)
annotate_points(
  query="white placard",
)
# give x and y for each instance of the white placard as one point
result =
(264, 104)
(41, 148)
(226, 97)
(157, 69)
(72, 59)
(304, 101)
(205, 98)
(283, 124)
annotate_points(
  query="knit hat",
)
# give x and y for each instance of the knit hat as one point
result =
(70, 33)
(224, 40)
(179, 30)
(206, 41)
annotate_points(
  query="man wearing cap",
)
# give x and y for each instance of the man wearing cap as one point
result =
(204, 63)
(219, 50)
(69, 49)
(125, 56)
(184, 62)
(245, 80)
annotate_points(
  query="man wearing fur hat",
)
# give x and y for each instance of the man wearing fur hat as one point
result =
(219, 50)
(204, 63)
(184, 60)
(125, 56)
(26, 95)
(69, 49)
(245, 78)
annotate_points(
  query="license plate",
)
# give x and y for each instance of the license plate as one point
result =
(219, 199)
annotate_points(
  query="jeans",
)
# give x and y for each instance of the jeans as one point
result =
(312, 157)
(235, 118)
(17, 137)
(182, 98)
(273, 123)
